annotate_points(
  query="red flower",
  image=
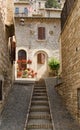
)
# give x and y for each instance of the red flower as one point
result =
(29, 61)
(24, 61)
(19, 61)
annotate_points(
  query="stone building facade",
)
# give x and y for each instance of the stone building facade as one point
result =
(37, 37)
(27, 39)
(6, 67)
(70, 49)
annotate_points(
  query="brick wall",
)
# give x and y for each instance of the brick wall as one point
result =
(70, 47)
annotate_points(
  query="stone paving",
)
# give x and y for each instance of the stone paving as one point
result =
(15, 111)
(61, 117)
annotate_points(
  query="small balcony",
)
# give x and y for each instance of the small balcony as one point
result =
(21, 1)
(21, 15)
(68, 5)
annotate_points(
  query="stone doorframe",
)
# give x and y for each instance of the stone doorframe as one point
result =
(35, 60)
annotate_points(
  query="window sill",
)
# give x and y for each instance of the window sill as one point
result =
(41, 40)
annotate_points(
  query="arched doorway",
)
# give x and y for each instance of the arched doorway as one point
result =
(22, 57)
(41, 64)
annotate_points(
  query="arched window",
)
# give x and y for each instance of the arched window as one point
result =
(22, 56)
(40, 58)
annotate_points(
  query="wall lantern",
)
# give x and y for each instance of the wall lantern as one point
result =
(22, 21)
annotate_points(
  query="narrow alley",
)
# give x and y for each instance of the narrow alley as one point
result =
(16, 109)
(39, 39)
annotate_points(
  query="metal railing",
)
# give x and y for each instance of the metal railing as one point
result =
(21, 14)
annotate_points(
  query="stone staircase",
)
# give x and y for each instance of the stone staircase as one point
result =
(39, 116)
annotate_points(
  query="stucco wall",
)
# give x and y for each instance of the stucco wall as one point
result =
(29, 35)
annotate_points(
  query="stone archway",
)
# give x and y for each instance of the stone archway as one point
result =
(41, 64)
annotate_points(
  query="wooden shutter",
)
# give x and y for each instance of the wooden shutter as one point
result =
(0, 90)
(40, 58)
(41, 33)
(13, 49)
(78, 93)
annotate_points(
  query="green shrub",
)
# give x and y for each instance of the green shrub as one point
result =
(54, 65)
(52, 3)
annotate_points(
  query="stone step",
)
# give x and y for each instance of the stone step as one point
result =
(41, 90)
(39, 126)
(39, 121)
(40, 129)
(39, 87)
(39, 94)
(46, 117)
(40, 103)
(37, 91)
(39, 109)
(39, 98)
(39, 113)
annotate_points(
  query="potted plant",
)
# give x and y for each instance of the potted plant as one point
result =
(54, 65)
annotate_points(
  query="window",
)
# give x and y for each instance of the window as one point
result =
(78, 93)
(12, 49)
(40, 58)
(41, 33)
(16, 10)
(25, 10)
(0, 90)
(39, 4)
(22, 56)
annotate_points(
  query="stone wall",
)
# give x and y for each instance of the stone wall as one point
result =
(27, 39)
(70, 48)
(29, 35)
(6, 67)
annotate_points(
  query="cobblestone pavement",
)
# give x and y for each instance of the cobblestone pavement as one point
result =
(15, 111)
(61, 117)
